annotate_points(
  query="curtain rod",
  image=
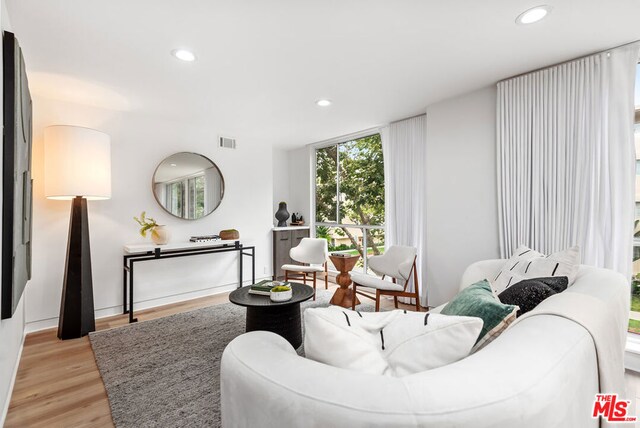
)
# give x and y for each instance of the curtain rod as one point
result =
(407, 118)
(359, 134)
(347, 137)
(568, 61)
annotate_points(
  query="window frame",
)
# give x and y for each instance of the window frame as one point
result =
(313, 148)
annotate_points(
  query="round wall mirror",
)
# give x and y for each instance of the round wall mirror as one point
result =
(188, 185)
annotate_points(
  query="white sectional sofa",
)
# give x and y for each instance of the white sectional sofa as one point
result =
(542, 372)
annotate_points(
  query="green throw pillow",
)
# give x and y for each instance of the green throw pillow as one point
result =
(478, 300)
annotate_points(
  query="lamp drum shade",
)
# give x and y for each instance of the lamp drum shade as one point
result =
(77, 162)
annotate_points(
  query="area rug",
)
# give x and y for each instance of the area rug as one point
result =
(166, 372)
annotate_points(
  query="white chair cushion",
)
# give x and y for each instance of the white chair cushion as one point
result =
(526, 263)
(301, 268)
(374, 282)
(396, 343)
(396, 262)
(310, 250)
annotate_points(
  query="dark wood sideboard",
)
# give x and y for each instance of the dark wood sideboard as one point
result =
(284, 239)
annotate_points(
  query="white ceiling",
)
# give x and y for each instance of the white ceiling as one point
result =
(262, 64)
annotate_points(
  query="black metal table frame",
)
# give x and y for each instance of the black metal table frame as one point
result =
(158, 254)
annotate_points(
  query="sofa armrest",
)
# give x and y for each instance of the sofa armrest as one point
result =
(525, 375)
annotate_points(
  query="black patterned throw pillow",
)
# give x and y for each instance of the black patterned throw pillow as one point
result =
(529, 293)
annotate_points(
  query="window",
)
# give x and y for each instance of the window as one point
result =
(634, 316)
(349, 197)
(186, 195)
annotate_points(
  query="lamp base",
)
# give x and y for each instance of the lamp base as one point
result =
(77, 317)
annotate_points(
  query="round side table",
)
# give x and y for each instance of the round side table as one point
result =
(282, 318)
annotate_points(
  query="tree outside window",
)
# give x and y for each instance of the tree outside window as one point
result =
(350, 194)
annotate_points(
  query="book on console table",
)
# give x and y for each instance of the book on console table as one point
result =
(205, 238)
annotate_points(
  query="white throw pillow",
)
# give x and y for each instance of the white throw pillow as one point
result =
(396, 343)
(526, 263)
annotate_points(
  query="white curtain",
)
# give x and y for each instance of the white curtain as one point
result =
(404, 151)
(566, 158)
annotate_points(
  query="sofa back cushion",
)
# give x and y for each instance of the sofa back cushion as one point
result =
(526, 263)
(395, 343)
(478, 300)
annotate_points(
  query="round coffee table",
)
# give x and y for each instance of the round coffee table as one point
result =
(282, 318)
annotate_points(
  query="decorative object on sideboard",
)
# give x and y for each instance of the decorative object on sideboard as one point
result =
(16, 178)
(297, 219)
(160, 235)
(188, 185)
(282, 215)
(77, 166)
(229, 234)
(159, 232)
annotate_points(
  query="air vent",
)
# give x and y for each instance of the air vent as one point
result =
(227, 142)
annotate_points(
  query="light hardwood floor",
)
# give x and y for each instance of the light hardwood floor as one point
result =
(58, 383)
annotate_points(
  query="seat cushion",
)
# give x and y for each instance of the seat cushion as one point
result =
(301, 268)
(396, 343)
(374, 282)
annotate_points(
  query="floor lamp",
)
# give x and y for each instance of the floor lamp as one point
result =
(77, 168)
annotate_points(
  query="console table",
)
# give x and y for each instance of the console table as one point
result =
(144, 252)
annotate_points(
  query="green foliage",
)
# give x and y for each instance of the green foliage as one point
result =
(361, 176)
(146, 223)
(635, 285)
(341, 247)
(634, 326)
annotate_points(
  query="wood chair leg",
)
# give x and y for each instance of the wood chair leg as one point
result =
(326, 276)
(314, 281)
(286, 275)
(377, 300)
(353, 301)
(304, 278)
(395, 301)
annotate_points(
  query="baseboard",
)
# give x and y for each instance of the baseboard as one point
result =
(34, 326)
(5, 410)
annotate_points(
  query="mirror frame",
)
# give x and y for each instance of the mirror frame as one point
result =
(169, 212)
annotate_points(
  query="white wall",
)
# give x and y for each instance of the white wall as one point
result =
(280, 159)
(292, 181)
(300, 182)
(12, 329)
(138, 144)
(462, 207)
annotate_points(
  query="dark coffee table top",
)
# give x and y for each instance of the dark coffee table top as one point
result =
(242, 297)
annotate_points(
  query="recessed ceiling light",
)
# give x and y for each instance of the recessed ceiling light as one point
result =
(173, 164)
(323, 103)
(534, 14)
(184, 54)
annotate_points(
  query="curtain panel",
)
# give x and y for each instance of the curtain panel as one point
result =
(404, 152)
(566, 159)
